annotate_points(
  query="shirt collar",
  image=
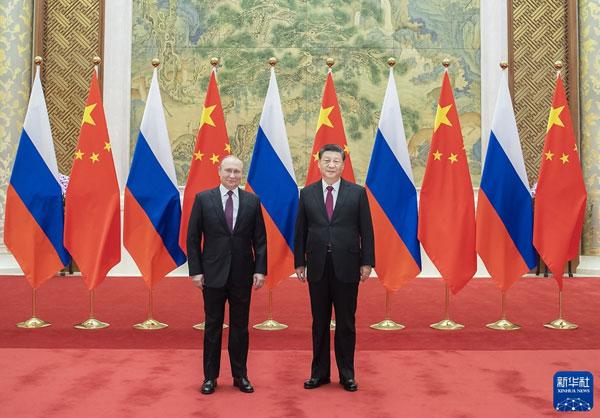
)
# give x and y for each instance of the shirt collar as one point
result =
(336, 185)
(224, 191)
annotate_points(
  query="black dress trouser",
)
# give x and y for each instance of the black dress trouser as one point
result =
(323, 293)
(238, 297)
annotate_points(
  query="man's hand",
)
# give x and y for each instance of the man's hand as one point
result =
(301, 273)
(259, 280)
(365, 272)
(198, 280)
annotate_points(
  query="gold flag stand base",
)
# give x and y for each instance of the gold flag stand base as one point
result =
(332, 325)
(270, 324)
(92, 323)
(202, 326)
(387, 325)
(447, 325)
(150, 324)
(561, 324)
(34, 322)
(503, 325)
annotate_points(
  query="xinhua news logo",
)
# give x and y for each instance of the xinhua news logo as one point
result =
(573, 391)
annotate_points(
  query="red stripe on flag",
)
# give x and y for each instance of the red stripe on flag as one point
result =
(395, 264)
(144, 244)
(495, 246)
(29, 244)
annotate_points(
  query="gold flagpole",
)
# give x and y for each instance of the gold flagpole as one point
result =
(447, 324)
(150, 323)
(34, 321)
(561, 323)
(503, 324)
(91, 322)
(270, 324)
(388, 324)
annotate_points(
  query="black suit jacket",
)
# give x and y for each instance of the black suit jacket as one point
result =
(215, 251)
(350, 232)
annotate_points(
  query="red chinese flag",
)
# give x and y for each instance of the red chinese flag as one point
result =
(447, 211)
(560, 195)
(330, 130)
(212, 144)
(92, 217)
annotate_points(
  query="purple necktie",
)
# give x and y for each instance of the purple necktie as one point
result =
(229, 211)
(329, 202)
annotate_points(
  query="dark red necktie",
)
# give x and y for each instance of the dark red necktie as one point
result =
(229, 211)
(329, 202)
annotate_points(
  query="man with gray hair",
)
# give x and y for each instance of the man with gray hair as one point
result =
(227, 255)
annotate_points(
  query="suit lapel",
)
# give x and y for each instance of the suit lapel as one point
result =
(341, 198)
(218, 205)
(241, 208)
(317, 193)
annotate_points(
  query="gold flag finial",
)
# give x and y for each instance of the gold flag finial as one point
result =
(38, 60)
(558, 65)
(329, 61)
(214, 61)
(391, 61)
(97, 60)
(504, 65)
(272, 61)
(155, 62)
(446, 62)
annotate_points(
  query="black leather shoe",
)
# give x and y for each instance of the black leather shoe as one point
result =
(349, 385)
(315, 382)
(208, 386)
(243, 383)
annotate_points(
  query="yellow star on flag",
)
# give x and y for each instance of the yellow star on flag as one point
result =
(205, 118)
(549, 155)
(316, 156)
(198, 155)
(94, 157)
(453, 158)
(228, 148)
(78, 154)
(575, 147)
(107, 146)
(324, 117)
(214, 158)
(554, 118)
(441, 116)
(437, 155)
(87, 115)
(564, 158)
(346, 149)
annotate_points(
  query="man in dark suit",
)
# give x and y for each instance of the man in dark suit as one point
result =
(227, 255)
(334, 249)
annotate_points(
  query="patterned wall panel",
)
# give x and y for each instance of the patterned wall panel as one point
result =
(15, 79)
(539, 31)
(589, 47)
(71, 37)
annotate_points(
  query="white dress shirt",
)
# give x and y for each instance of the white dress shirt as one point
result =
(236, 200)
(334, 192)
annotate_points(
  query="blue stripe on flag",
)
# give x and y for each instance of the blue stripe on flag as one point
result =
(40, 192)
(395, 193)
(509, 197)
(277, 190)
(157, 195)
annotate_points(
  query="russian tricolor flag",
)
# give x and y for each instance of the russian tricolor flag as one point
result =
(504, 206)
(393, 198)
(152, 206)
(34, 220)
(271, 177)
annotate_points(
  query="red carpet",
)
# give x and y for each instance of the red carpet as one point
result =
(417, 372)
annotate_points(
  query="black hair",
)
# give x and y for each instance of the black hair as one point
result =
(334, 148)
